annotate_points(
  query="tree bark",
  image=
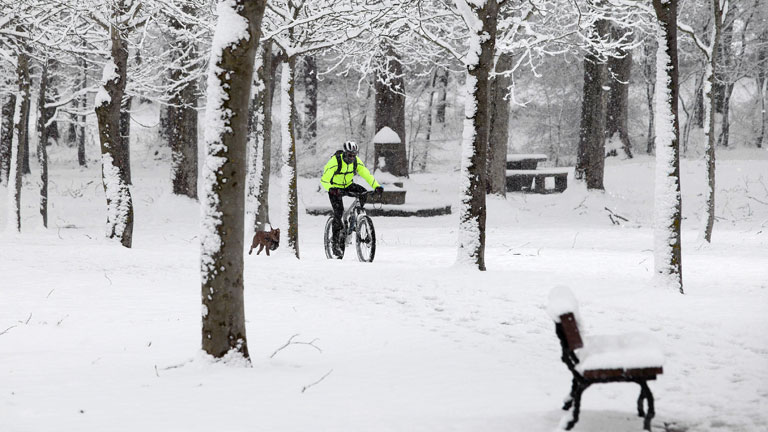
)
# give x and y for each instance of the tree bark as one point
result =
(25, 143)
(590, 164)
(443, 86)
(6, 136)
(499, 129)
(762, 85)
(310, 105)
(19, 130)
(668, 208)
(617, 111)
(390, 111)
(649, 72)
(229, 88)
(107, 107)
(81, 158)
(125, 135)
(181, 120)
(290, 210)
(260, 140)
(43, 134)
(472, 210)
(709, 155)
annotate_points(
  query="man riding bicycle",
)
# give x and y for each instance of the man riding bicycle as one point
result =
(337, 180)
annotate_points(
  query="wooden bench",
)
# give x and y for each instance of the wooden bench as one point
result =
(631, 357)
(535, 180)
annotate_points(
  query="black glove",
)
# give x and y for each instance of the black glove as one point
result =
(379, 190)
(334, 192)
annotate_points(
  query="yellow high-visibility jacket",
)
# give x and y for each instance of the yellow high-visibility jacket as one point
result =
(335, 176)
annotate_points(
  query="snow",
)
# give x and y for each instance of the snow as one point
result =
(622, 351)
(110, 73)
(562, 301)
(287, 170)
(386, 136)
(667, 187)
(118, 198)
(469, 227)
(97, 337)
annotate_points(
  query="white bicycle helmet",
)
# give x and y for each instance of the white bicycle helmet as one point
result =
(350, 146)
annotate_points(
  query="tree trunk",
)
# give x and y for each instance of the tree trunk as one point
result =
(44, 115)
(229, 89)
(390, 111)
(649, 71)
(709, 155)
(181, 119)
(441, 104)
(590, 162)
(725, 129)
(428, 137)
(125, 136)
(81, 159)
(762, 85)
(499, 133)
(25, 143)
(617, 111)
(290, 211)
(668, 208)
(472, 210)
(19, 130)
(310, 105)
(107, 107)
(260, 141)
(6, 136)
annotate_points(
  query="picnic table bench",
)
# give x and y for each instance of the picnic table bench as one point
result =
(535, 180)
(522, 175)
(630, 357)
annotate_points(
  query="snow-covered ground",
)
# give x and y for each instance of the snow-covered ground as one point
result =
(95, 337)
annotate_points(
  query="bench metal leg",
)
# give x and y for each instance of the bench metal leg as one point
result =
(645, 390)
(569, 399)
(576, 406)
(539, 184)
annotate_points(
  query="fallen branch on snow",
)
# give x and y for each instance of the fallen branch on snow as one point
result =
(614, 217)
(306, 387)
(292, 342)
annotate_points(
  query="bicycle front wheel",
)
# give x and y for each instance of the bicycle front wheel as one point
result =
(366, 239)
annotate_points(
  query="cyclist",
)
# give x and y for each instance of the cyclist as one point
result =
(337, 180)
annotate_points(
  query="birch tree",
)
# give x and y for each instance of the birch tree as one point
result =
(668, 205)
(710, 52)
(260, 140)
(236, 37)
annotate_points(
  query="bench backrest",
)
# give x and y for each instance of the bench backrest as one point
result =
(570, 329)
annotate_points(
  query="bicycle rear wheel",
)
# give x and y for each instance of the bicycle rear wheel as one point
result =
(366, 239)
(328, 242)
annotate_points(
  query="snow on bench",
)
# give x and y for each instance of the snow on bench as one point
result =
(629, 357)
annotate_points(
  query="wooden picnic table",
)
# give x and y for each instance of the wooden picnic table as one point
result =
(522, 161)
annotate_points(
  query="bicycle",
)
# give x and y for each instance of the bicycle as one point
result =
(354, 221)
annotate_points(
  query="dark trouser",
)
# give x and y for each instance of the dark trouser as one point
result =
(338, 206)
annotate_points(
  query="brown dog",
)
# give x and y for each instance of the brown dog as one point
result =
(268, 239)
